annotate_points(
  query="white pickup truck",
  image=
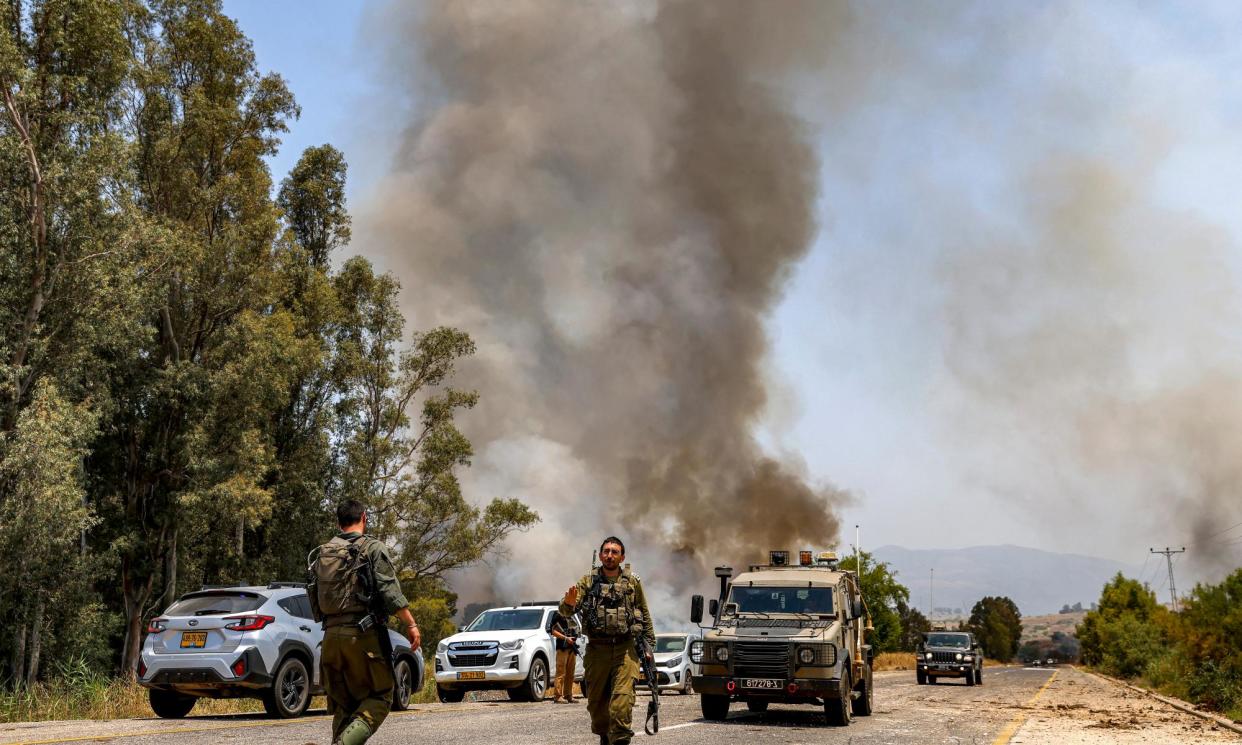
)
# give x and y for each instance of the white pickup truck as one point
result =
(502, 648)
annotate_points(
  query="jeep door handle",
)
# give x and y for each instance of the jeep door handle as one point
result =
(305, 628)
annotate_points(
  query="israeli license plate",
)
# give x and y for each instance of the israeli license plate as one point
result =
(762, 682)
(193, 639)
(472, 675)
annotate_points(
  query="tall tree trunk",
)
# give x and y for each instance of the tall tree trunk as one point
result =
(17, 672)
(170, 572)
(136, 592)
(36, 642)
(241, 535)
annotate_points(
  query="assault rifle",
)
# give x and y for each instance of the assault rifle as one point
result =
(376, 618)
(646, 659)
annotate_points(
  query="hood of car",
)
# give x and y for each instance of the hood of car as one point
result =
(490, 636)
(666, 656)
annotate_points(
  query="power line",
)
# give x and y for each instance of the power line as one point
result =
(1226, 530)
(1168, 557)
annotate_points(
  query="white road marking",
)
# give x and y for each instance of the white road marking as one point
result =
(666, 729)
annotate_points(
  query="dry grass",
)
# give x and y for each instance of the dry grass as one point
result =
(66, 698)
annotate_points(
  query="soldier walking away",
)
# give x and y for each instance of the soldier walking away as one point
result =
(613, 610)
(566, 656)
(353, 590)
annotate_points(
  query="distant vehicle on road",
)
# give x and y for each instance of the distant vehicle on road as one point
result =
(949, 654)
(1051, 661)
(247, 642)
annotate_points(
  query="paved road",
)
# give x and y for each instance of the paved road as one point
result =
(904, 713)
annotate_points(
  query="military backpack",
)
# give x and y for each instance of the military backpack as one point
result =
(340, 577)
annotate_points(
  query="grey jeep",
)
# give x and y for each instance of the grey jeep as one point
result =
(949, 654)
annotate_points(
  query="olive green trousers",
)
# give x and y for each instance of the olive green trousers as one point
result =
(356, 677)
(610, 669)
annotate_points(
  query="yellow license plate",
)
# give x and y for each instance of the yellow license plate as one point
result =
(193, 639)
(472, 675)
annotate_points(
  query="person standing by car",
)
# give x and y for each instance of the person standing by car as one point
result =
(353, 590)
(613, 611)
(566, 657)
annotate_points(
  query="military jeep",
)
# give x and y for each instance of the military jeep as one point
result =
(949, 654)
(785, 634)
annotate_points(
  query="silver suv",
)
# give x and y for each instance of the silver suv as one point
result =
(247, 642)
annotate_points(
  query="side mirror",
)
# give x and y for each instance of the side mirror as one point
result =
(713, 607)
(858, 611)
(696, 609)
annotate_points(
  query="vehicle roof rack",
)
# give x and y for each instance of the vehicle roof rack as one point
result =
(224, 587)
(539, 602)
(278, 585)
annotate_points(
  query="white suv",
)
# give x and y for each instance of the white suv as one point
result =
(247, 642)
(509, 648)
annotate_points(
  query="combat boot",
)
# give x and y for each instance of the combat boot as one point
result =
(355, 733)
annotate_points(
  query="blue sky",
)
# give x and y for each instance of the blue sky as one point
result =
(1025, 186)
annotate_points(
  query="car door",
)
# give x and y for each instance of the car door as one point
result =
(306, 630)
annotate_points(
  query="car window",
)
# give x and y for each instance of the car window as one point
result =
(304, 609)
(670, 643)
(215, 604)
(296, 605)
(505, 620)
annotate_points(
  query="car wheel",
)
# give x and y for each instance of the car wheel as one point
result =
(404, 688)
(931, 680)
(757, 705)
(536, 683)
(921, 677)
(688, 688)
(715, 707)
(169, 704)
(837, 710)
(450, 695)
(979, 677)
(290, 694)
(970, 677)
(862, 704)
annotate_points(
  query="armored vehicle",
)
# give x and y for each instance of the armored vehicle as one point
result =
(785, 634)
(949, 654)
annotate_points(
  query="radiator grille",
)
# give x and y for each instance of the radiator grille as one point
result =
(761, 659)
(472, 660)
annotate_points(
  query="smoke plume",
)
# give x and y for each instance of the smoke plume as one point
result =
(610, 197)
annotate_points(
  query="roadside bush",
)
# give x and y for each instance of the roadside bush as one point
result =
(1217, 686)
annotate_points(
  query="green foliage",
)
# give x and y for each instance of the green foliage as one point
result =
(997, 624)
(913, 625)
(884, 596)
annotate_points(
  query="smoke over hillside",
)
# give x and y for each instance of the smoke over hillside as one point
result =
(609, 198)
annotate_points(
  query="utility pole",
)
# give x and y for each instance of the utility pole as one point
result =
(1168, 557)
(931, 595)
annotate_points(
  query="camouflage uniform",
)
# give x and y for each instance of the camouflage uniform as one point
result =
(356, 677)
(611, 664)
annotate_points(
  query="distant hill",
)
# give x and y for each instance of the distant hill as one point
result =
(1040, 582)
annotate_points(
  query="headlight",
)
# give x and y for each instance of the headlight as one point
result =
(442, 647)
(927, 656)
(721, 653)
(957, 656)
(512, 645)
(806, 655)
(968, 658)
(676, 661)
(696, 652)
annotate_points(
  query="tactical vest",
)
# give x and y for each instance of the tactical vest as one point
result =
(610, 610)
(341, 575)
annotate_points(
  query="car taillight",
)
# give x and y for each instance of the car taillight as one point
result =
(248, 623)
(142, 668)
(156, 625)
(239, 667)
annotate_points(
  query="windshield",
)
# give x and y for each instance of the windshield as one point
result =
(214, 604)
(507, 620)
(670, 644)
(957, 641)
(814, 600)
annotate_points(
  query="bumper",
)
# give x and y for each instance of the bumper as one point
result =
(502, 675)
(946, 669)
(804, 689)
(671, 678)
(206, 675)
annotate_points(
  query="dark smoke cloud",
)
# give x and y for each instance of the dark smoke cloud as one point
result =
(610, 198)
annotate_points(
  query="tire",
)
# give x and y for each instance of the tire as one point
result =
(931, 680)
(290, 694)
(970, 678)
(536, 683)
(688, 688)
(715, 707)
(979, 677)
(921, 677)
(837, 710)
(862, 705)
(405, 685)
(582, 686)
(450, 695)
(170, 705)
(757, 705)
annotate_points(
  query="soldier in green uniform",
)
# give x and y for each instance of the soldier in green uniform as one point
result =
(353, 590)
(613, 610)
